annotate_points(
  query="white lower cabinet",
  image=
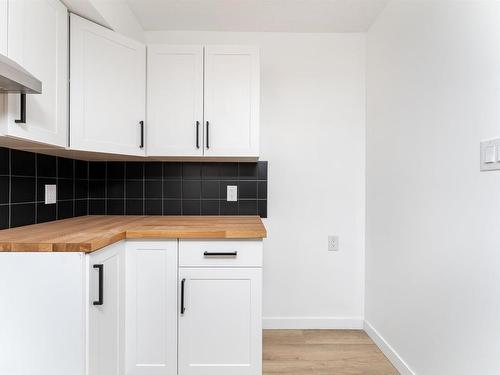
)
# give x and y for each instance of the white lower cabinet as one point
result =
(151, 319)
(42, 314)
(137, 307)
(106, 311)
(220, 313)
(220, 327)
(166, 307)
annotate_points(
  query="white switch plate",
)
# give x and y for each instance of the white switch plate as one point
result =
(50, 194)
(333, 243)
(490, 155)
(232, 193)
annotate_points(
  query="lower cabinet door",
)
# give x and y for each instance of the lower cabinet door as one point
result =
(220, 328)
(106, 311)
(151, 312)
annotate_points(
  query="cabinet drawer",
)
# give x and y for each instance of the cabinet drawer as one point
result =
(220, 253)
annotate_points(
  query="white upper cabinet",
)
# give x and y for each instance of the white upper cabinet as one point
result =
(232, 82)
(3, 26)
(203, 101)
(175, 100)
(107, 91)
(37, 39)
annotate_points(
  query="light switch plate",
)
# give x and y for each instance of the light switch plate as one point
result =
(490, 155)
(333, 243)
(50, 194)
(232, 193)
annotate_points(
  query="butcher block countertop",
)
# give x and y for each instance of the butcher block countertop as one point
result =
(90, 233)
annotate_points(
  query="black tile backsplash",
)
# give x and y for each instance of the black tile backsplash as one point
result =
(22, 163)
(124, 188)
(46, 165)
(97, 170)
(22, 214)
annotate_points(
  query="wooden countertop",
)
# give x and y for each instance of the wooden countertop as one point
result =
(90, 233)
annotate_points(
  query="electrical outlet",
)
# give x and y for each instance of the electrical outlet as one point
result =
(232, 193)
(50, 194)
(333, 243)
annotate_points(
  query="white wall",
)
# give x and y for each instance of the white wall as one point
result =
(312, 134)
(114, 14)
(119, 16)
(433, 244)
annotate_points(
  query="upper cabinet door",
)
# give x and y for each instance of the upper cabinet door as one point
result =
(107, 92)
(232, 84)
(175, 100)
(37, 39)
(4, 20)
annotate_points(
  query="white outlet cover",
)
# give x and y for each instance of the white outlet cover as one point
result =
(333, 243)
(50, 194)
(232, 193)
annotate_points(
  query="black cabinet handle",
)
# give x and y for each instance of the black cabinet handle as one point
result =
(220, 254)
(100, 302)
(208, 136)
(22, 120)
(197, 134)
(141, 124)
(183, 309)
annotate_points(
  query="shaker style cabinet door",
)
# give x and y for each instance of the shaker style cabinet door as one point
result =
(106, 311)
(151, 312)
(107, 90)
(175, 100)
(220, 321)
(4, 13)
(37, 39)
(232, 84)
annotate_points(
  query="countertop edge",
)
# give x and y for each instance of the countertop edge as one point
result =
(103, 239)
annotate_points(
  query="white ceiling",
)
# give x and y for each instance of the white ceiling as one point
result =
(257, 15)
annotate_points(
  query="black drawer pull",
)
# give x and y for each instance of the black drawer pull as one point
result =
(220, 254)
(183, 308)
(100, 301)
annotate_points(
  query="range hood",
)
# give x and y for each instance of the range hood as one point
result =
(15, 79)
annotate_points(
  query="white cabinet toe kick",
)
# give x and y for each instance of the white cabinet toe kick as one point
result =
(137, 307)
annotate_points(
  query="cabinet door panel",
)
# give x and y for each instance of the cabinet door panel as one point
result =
(106, 320)
(175, 100)
(42, 315)
(108, 84)
(38, 40)
(3, 26)
(151, 344)
(220, 330)
(231, 101)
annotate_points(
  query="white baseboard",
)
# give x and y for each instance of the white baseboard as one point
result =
(312, 323)
(389, 352)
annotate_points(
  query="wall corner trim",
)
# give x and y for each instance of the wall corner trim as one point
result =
(312, 323)
(388, 350)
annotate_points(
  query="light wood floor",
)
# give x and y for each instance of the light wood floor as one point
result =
(323, 352)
